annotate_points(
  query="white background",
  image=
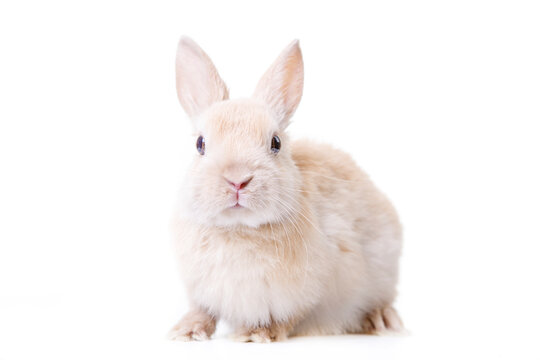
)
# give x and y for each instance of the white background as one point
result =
(438, 101)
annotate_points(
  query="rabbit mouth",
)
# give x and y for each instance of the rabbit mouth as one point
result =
(237, 208)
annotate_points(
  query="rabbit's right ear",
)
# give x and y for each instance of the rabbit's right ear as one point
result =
(198, 84)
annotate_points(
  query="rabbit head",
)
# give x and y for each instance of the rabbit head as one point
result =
(242, 172)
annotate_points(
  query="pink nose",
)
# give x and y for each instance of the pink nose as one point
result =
(241, 185)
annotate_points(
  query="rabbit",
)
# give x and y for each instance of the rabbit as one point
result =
(277, 238)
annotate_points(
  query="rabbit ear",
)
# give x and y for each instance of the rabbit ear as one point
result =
(282, 85)
(198, 84)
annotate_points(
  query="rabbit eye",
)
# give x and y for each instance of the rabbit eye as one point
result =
(200, 145)
(276, 144)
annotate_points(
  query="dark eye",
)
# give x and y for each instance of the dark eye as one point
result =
(276, 144)
(200, 145)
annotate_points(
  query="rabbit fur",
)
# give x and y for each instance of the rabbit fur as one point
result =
(308, 245)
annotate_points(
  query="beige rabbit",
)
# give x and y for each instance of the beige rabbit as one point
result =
(276, 237)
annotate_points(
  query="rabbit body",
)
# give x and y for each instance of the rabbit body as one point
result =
(273, 236)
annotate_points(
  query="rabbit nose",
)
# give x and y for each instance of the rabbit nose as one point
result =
(239, 185)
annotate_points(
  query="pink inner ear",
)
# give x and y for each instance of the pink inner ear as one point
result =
(293, 81)
(282, 84)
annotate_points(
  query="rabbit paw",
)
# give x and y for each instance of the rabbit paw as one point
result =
(266, 334)
(276, 331)
(382, 320)
(195, 325)
(259, 335)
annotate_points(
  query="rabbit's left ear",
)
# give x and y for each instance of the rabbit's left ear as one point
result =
(198, 84)
(282, 85)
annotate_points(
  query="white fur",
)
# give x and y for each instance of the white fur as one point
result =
(314, 245)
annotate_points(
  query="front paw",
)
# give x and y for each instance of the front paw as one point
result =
(195, 325)
(187, 334)
(262, 334)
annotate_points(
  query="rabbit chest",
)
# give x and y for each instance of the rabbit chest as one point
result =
(249, 281)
